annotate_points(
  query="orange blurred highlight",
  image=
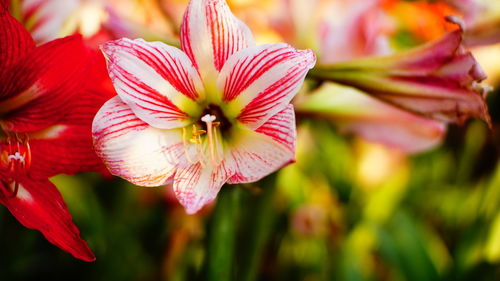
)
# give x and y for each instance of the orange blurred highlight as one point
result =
(423, 19)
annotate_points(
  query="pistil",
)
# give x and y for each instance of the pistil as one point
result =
(209, 119)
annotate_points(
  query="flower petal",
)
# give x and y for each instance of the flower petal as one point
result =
(196, 185)
(210, 34)
(39, 87)
(260, 81)
(159, 82)
(132, 149)
(67, 147)
(39, 205)
(352, 29)
(15, 41)
(63, 149)
(272, 146)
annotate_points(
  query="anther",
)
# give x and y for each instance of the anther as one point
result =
(16, 156)
(208, 118)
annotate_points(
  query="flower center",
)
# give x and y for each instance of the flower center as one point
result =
(15, 161)
(220, 119)
(206, 137)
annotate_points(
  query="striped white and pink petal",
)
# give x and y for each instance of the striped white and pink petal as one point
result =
(210, 34)
(256, 154)
(258, 82)
(133, 149)
(197, 185)
(158, 82)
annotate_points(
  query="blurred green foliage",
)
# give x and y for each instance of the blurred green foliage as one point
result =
(330, 216)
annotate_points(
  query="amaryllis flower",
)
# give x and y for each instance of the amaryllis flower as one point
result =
(439, 80)
(218, 111)
(46, 110)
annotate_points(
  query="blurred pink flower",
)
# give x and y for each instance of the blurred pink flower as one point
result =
(50, 19)
(338, 30)
(106, 20)
(218, 111)
(439, 80)
(347, 30)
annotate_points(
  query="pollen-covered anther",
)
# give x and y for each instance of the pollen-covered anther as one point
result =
(18, 155)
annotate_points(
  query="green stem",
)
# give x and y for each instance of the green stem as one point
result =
(221, 239)
(261, 226)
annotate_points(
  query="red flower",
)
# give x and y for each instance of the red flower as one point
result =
(46, 110)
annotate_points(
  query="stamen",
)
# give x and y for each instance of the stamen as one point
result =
(209, 119)
(16, 159)
(186, 152)
(16, 156)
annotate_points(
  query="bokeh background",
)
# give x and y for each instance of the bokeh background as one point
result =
(348, 209)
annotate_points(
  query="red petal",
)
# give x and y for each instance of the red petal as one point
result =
(39, 205)
(63, 149)
(5, 4)
(95, 91)
(15, 41)
(40, 86)
(67, 147)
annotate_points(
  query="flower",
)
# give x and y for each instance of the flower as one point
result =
(46, 108)
(341, 31)
(439, 80)
(218, 111)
